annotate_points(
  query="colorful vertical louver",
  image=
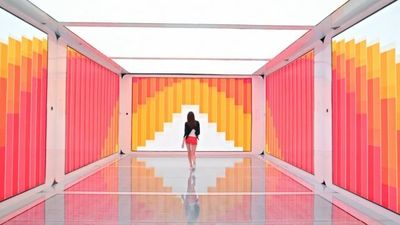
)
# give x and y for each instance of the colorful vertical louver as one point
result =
(23, 91)
(366, 120)
(92, 111)
(290, 114)
(227, 101)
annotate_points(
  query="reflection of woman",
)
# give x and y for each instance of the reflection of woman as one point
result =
(191, 200)
(192, 132)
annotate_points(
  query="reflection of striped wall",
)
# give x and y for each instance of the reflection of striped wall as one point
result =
(366, 121)
(290, 115)
(230, 208)
(23, 91)
(226, 100)
(236, 179)
(92, 111)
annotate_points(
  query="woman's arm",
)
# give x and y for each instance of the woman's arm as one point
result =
(198, 129)
(184, 135)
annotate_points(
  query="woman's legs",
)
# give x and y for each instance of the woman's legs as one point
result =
(194, 155)
(189, 154)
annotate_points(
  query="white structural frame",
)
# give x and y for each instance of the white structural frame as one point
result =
(319, 40)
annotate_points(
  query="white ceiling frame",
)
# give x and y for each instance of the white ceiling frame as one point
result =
(192, 58)
(151, 56)
(190, 25)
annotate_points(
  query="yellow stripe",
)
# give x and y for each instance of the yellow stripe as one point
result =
(221, 115)
(391, 73)
(374, 61)
(169, 99)
(186, 91)
(12, 50)
(142, 125)
(3, 60)
(179, 90)
(213, 105)
(150, 118)
(196, 91)
(230, 120)
(26, 47)
(239, 118)
(247, 133)
(204, 97)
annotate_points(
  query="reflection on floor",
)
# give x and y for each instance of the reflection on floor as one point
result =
(150, 190)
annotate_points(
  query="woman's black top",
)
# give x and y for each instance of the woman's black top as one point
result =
(188, 129)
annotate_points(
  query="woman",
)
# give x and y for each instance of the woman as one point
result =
(192, 132)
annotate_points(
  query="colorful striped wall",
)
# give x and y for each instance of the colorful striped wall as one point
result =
(366, 120)
(227, 101)
(92, 111)
(290, 113)
(23, 91)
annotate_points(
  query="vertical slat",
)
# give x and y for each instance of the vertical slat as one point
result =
(3, 114)
(384, 122)
(335, 106)
(43, 113)
(9, 154)
(398, 133)
(392, 139)
(135, 106)
(221, 116)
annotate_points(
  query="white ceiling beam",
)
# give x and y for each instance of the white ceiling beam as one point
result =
(192, 58)
(189, 25)
(200, 75)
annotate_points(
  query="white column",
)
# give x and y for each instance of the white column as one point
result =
(323, 113)
(258, 115)
(125, 113)
(56, 109)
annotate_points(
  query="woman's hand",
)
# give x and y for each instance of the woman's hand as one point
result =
(183, 143)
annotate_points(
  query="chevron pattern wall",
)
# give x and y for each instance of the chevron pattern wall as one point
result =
(92, 111)
(366, 121)
(227, 101)
(290, 114)
(23, 91)
(366, 108)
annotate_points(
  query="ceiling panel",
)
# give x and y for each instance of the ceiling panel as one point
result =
(116, 39)
(188, 43)
(159, 42)
(273, 12)
(191, 66)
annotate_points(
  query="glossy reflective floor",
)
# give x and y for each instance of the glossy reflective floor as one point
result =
(162, 190)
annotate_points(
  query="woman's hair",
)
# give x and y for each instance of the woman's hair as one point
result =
(190, 120)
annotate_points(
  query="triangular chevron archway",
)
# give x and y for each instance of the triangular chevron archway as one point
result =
(227, 101)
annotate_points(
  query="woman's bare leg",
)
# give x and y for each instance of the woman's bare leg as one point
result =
(194, 154)
(189, 155)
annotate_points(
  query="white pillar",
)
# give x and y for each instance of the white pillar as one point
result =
(56, 109)
(258, 115)
(125, 113)
(323, 113)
